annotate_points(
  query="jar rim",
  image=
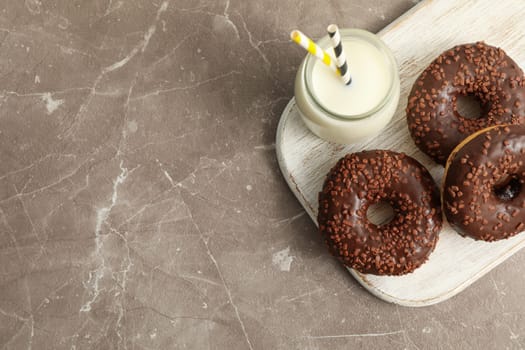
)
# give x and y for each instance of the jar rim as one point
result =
(371, 38)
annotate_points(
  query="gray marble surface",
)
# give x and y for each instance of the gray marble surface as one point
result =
(141, 204)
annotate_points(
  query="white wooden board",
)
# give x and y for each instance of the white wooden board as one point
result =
(416, 39)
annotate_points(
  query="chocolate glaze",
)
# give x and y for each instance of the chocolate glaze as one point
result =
(361, 179)
(484, 185)
(483, 71)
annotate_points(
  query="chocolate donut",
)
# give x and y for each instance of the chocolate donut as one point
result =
(484, 184)
(479, 70)
(361, 179)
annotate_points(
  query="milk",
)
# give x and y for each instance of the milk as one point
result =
(349, 113)
(371, 80)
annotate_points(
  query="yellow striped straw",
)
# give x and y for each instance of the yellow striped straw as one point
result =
(309, 45)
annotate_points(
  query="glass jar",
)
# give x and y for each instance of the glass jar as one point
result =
(348, 114)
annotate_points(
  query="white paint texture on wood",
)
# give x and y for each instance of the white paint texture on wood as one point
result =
(416, 39)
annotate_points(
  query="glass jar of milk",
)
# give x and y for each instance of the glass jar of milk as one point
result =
(349, 113)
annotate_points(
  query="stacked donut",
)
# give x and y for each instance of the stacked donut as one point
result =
(478, 70)
(485, 157)
(484, 184)
(483, 192)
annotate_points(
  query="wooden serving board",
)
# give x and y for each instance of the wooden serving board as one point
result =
(416, 38)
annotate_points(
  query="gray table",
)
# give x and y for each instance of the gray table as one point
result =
(141, 205)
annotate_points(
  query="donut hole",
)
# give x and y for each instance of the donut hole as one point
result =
(507, 188)
(469, 106)
(380, 213)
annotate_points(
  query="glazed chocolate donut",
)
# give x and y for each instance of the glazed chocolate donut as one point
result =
(479, 70)
(484, 184)
(361, 179)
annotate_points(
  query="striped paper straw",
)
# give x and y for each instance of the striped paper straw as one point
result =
(309, 45)
(340, 57)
